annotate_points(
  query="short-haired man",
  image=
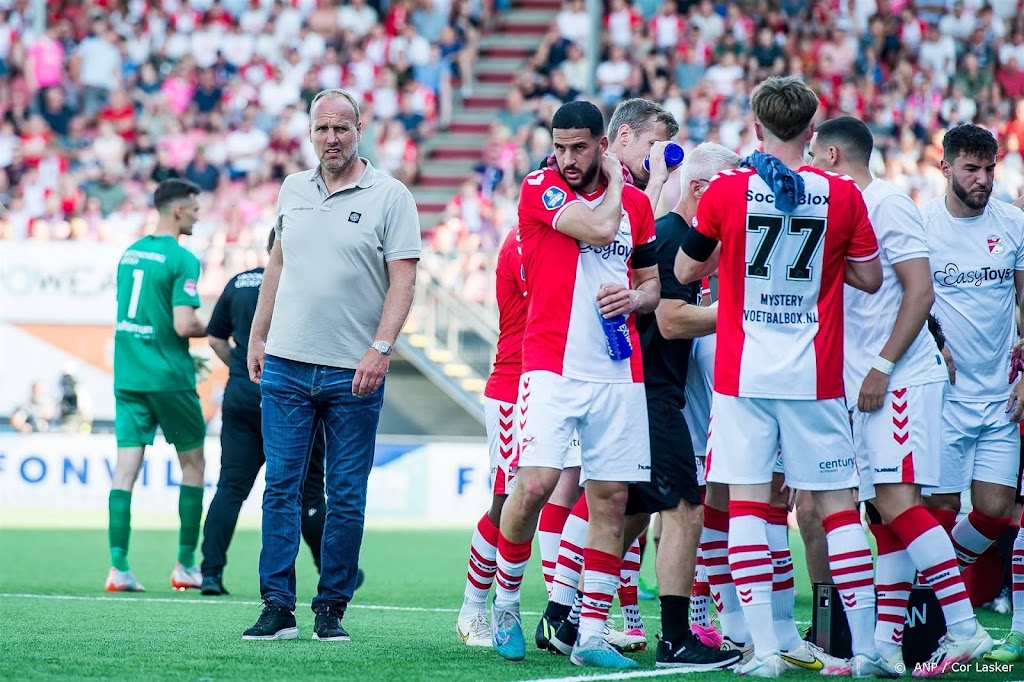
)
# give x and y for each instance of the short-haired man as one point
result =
(639, 127)
(976, 247)
(789, 235)
(587, 247)
(155, 377)
(666, 340)
(895, 383)
(338, 288)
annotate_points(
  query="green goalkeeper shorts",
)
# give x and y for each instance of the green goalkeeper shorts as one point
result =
(178, 414)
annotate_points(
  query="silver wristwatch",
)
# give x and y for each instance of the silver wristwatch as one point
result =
(382, 347)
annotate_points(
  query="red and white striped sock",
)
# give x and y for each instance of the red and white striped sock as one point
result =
(1018, 580)
(569, 566)
(512, 560)
(714, 539)
(894, 578)
(974, 534)
(629, 577)
(483, 552)
(549, 534)
(750, 562)
(600, 579)
(849, 559)
(783, 595)
(932, 553)
(700, 595)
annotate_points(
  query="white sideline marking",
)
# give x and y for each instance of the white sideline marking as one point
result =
(215, 600)
(636, 674)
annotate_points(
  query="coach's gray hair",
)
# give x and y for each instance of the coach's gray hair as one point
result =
(640, 115)
(705, 161)
(334, 93)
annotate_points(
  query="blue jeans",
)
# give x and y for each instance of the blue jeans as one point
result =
(296, 396)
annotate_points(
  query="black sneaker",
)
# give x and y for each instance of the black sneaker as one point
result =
(276, 622)
(692, 654)
(565, 638)
(546, 629)
(213, 585)
(327, 625)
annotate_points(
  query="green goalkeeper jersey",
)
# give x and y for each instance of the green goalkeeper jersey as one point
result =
(155, 275)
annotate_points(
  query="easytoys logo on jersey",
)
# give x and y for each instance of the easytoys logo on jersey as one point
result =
(616, 248)
(953, 276)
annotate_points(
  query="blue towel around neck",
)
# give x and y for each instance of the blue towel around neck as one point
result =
(786, 184)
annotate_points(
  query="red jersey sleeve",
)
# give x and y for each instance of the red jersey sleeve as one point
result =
(863, 245)
(543, 198)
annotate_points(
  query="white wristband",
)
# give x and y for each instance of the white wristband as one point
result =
(884, 366)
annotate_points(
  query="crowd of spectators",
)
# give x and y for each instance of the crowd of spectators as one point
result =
(908, 69)
(102, 99)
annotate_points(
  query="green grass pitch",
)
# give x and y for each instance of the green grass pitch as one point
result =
(57, 623)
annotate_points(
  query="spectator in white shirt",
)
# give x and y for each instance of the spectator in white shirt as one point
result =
(612, 75)
(572, 21)
(723, 75)
(710, 22)
(245, 146)
(100, 67)
(958, 24)
(938, 53)
(357, 17)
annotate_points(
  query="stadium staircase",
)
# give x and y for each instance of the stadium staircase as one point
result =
(449, 341)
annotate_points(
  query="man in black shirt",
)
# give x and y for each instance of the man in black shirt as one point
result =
(241, 437)
(666, 337)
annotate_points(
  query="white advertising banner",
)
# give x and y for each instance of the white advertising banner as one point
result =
(58, 282)
(60, 480)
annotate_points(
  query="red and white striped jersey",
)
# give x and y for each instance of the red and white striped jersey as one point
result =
(510, 287)
(563, 330)
(780, 319)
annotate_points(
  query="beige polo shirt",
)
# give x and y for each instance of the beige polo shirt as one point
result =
(336, 248)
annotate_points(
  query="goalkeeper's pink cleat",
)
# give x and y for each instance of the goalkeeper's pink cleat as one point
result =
(123, 581)
(709, 636)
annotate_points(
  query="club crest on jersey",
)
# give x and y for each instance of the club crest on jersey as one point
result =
(995, 245)
(553, 197)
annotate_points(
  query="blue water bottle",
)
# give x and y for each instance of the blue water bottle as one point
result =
(616, 334)
(673, 157)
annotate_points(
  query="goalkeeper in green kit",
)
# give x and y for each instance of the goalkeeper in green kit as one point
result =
(154, 377)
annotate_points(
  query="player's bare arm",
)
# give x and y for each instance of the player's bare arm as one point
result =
(397, 303)
(614, 299)
(659, 173)
(681, 320)
(864, 275)
(597, 226)
(186, 322)
(697, 257)
(264, 312)
(914, 276)
(221, 347)
(1015, 404)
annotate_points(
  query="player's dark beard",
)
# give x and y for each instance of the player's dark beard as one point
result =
(588, 175)
(970, 200)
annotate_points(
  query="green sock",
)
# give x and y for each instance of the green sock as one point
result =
(190, 510)
(120, 527)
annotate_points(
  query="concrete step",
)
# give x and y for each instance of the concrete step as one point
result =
(529, 15)
(484, 101)
(453, 153)
(501, 39)
(469, 127)
(499, 65)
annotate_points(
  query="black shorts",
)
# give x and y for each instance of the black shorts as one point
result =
(673, 466)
